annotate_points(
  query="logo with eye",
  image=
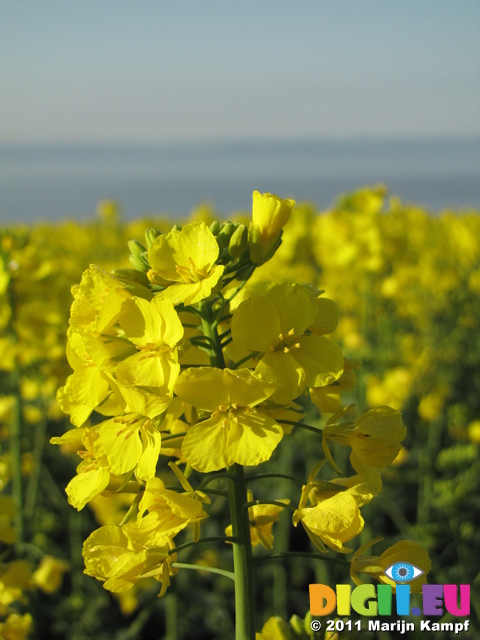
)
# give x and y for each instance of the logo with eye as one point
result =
(403, 572)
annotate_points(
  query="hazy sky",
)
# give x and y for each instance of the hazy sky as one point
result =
(168, 70)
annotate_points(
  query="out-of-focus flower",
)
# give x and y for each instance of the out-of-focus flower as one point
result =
(49, 574)
(404, 551)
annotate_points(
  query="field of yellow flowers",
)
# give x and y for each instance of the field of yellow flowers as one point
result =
(221, 413)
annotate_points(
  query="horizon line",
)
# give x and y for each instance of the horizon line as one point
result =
(229, 140)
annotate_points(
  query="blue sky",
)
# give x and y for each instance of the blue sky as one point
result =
(154, 71)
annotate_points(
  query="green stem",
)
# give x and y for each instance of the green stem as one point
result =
(217, 476)
(260, 476)
(210, 331)
(242, 546)
(275, 503)
(199, 567)
(302, 425)
(186, 545)
(173, 436)
(242, 559)
(254, 354)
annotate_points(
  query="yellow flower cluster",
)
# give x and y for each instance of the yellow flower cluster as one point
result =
(182, 357)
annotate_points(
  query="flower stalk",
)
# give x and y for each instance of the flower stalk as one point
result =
(242, 558)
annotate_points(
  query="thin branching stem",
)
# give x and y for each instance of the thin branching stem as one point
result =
(254, 354)
(302, 425)
(276, 503)
(260, 476)
(186, 545)
(199, 567)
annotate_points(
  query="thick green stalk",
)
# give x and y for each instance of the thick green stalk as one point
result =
(242, 547)
(210, 331)
(242, 559)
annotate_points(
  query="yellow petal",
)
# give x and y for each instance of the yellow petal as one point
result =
(248, 389)
(327, 317)
(256, 325)
(382, 422)
(296, 308)
(86, 485)
(282, 370)
(194, 292)
(142, 322)
(173, 329)
(205, 446)
(320, 358)
(253, 439)
(205, 387)
(161, 255)
(151, 443)
(197, 242)
(117, 444)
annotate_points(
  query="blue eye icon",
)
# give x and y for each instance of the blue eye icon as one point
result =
(403, 572)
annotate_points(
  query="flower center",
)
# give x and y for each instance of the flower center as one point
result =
(286, 342)
(192, 273)
(230, 410)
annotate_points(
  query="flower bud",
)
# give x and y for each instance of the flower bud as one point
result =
(239, 241)
(130, 276)
(151, 235)
(225, 234)
(136, 248)
(269, 215)
(139, 257)
(215, 227)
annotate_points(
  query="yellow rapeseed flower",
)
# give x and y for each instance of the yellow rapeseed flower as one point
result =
(111, 558)
(183, 261)
(292, 358)
(403, 551)
(235, 430)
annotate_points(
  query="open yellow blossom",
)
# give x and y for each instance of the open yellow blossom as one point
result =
(333, 521)
(97, 300)
(155, 330)
(111, 558)
(235, 431)
(403, 551)
(183, 261)
(93, 359)
(335, 515)
(168, 513)
(91, 479)
(123, 444)
(375, 440)
(292, 359)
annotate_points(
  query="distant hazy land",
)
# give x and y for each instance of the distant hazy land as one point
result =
(52, 182)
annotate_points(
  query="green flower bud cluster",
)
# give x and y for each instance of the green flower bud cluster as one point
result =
(232, 239)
